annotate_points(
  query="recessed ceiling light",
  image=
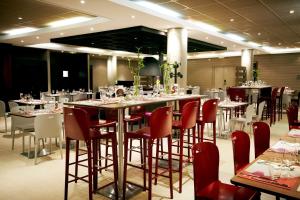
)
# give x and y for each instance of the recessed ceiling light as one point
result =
(61, 34)
(20, 18)
(69, 21)
(132, 16)
(279, 43)
(92, 28)
(292, 11)
(222, 42)
(232, 20)
(37, 37)
(17, 31)
(258, 33)
(22, 41)
(206, 38)
(82, 2)
(92, 43)
(234, 45)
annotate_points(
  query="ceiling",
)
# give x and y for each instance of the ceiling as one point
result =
(267, 22)
(146, 40)
(262, 21)
(20, 13)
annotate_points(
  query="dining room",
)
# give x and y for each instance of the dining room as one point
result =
(156, 99)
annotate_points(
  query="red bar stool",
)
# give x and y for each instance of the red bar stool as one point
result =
(93, 115)
(78, 127)
(209, 115)
(280, 97)
(136, 115)
(292, 115)
(273, 106)
(241, 150)
(206, 176)
(186, 122)
(182, 103)
(160, 126)
(261, 132)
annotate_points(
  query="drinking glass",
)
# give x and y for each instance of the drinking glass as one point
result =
(21, 96)
(275, 171)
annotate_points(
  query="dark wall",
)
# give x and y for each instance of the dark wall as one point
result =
(22, 70)
(75, 64)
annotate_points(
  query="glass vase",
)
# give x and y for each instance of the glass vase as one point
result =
(136, 85)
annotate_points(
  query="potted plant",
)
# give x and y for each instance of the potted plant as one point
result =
(166, 68)
(135, 71)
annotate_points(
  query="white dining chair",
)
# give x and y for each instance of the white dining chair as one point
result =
(46, 126)
(22, 124)
(3, 113)
(245, 120)
(261, 106)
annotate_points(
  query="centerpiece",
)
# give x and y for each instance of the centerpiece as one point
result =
(135, 71)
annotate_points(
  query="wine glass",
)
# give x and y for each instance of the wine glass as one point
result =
(111, 91)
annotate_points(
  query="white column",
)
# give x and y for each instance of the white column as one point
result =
(177, 51)
(247, 61)
(111, 70)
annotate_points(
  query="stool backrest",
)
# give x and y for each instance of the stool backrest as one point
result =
(281, 91)
(76, 124)
(205, 165)
(189, 114)
(161, 122)
(235, 94)
(261, 132)
(137, 110)
(274, 94)
(209, 110)
(241, 149)
(93, 113)
(185, 101)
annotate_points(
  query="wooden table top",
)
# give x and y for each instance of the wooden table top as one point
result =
(116, 103)
(268, 188)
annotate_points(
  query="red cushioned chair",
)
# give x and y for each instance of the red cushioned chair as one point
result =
(78, 127)
(187, 121)
(241, 150)
(160, 126)
(182, 103)
(292, 114)
(209, 115)
(206, 176)
(261, 132)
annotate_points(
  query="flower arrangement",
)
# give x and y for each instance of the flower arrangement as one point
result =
(166, 68)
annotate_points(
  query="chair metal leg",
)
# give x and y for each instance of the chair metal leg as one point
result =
(35, 150)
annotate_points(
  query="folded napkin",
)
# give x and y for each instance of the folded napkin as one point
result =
(285, 147)
(260, 171)
(294, 133)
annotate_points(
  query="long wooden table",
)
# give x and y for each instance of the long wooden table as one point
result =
(289, 193)
(120, 104)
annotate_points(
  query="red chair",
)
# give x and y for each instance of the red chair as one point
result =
(209, 115)
(261, 132)
(160, 126)
(241, 150)
(237, 94)
(187, 122)
(78, 127)
(292, 114)
(206, 176)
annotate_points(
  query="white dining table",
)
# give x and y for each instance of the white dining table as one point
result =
(120, 104)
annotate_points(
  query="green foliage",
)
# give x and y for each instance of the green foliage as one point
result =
(135, 70)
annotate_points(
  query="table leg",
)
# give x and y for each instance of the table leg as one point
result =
(120, 150)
